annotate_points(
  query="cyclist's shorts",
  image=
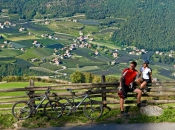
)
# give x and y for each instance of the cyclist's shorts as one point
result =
(146, 80)
(126, 89)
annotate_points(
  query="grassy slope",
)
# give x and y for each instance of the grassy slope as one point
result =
(113, 116)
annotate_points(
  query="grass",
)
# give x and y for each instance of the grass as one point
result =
(51, 66)
(66, 27)
(85, 69)
(9, 52)
(10, 85)
(43, 52)
(20, 84)
(19, 37)
(7, 60)
(28, 54)
(109, 116)
(107, 44)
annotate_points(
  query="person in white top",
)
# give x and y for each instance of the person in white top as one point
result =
(145, 75)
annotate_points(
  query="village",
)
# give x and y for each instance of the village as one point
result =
(67, 52)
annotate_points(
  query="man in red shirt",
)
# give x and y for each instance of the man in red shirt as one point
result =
(127, 84)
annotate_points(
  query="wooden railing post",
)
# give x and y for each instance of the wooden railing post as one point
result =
(32, 92)
(103, 80)
(31, 83)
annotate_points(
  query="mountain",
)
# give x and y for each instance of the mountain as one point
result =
(147, 24)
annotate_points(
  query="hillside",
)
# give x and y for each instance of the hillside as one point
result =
(147, 24)
(57, 46)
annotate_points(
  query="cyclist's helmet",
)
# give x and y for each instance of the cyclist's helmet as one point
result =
(146, 61)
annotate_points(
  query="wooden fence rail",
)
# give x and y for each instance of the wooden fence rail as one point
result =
(159, 93)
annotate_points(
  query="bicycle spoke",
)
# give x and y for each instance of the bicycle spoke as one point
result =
(53, 109)
(21, 110)
(67, 106)
(93, 110)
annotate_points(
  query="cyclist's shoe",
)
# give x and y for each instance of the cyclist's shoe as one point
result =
(120, 94)
(139, 105)
(123, 113)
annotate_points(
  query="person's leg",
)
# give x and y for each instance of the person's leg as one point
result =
(139, 94)
(138, 81)
(124, 91)
(143, 85)
(121, 104)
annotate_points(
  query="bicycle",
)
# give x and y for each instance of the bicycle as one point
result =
(24, 109)
(92, 109)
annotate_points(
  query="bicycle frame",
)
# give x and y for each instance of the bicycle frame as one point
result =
(41, 102)
(79, 103)
(44, 97)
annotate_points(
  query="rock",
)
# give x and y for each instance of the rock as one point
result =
(151, 110)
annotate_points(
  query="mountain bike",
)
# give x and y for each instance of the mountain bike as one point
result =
(92, 109)
(24, 109)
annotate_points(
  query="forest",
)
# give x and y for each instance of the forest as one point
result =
(20, 70)
(147, 24)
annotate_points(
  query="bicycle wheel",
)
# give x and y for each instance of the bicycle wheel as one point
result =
(67, 106)
(53, 109)
(21, 110)
(93, 110)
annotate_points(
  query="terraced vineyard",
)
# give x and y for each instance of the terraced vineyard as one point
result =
(64, 32)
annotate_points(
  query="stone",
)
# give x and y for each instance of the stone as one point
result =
(151, 110)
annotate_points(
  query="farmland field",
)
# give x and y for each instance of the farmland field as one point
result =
(7, 60)
(9, 52)
(89, 22)
(32, 26)
(51, 66)
(85, 53)
(23, 62)
(66, 32)
(26, 43)
(103, 43)
(112, 70)
(28, 54)
(43, 52)
(19, 37)
(66, 27)
(53, 46)
(9, 30)
(85, 69)
(16, 45)
(64, 36)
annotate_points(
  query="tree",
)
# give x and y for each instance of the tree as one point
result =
(77, 77)
(88, 77)
(111, 79)
(96, 79)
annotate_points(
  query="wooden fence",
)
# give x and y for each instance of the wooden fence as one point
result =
(159, 93)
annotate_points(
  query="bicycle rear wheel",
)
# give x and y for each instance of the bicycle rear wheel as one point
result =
(93, 110)
(67, 106)
(21, 110)
(53, 109)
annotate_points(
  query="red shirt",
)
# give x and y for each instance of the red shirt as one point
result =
(130, 75)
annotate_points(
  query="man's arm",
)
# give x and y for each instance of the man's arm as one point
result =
(150, 75)
(151, 78)
(121, 79)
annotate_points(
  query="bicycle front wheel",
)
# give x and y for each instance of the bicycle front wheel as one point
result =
(21, 110)
(53, 109)
(67, 106)
(93, 110)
